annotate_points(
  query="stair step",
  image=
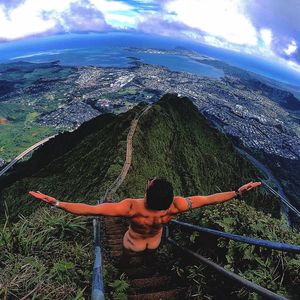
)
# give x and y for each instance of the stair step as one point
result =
(116, 247)
(131, 262)
(116, 253)
(140, 271)
(151, 282)
(162, 295)
(114, 241)
(114, 227)
(115, 236)
(113, 223)
(136, 261)
(114, 232)
(112, 219)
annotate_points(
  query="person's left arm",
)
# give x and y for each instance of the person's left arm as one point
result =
(123, 208)
(184, 204)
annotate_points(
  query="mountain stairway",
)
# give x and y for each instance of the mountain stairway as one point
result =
(147, 277)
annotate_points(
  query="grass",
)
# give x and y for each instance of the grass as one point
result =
(17, 137)
(275, 270)
(21, 131)
(46, 256)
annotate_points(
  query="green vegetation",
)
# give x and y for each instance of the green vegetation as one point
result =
(174, 141)
(23, 74)
(15, 138)
(275, 270)
(126, 91)
(33, 92)
(46, 256)
(21, 131)
(171, 140)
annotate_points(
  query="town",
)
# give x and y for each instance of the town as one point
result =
(256, 120)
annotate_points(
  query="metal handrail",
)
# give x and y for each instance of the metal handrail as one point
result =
(240, 238)
(97, 285)
(246, 283)
(285, 201)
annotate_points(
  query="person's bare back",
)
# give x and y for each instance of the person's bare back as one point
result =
(146, 226)
(149, 214)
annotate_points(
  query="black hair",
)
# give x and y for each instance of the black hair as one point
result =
(159, 195)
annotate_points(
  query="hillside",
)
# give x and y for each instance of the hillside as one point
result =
(171, 140)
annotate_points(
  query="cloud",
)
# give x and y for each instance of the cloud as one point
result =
(155, 23)
(22, 21)
(221, 19)
(283, 19)
(80, 17)
(281, 16)
(291, 48)
(266, 36)
(39, 17)
(117, 13)
(263, 28)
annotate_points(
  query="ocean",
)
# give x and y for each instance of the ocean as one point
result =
(109, 49)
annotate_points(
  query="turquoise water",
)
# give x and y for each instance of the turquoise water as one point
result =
(101, 50)
(108, 49)
(120, 57)
(180, 64)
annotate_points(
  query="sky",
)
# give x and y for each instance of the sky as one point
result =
(265, 28)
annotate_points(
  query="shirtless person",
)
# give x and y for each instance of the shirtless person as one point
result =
(149, 214)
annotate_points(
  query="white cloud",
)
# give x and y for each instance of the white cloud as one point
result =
(106, 6)
(22, 21)
(293, 65)
(266, 35)
(291, 48)
(223, 19)
(121, 21)
(117, 13)
(27, 18)
(33, 17)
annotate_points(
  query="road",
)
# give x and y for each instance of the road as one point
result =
(20, 156)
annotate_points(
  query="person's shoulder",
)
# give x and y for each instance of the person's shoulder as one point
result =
(132, 199)
(135, 202)
(177, 204)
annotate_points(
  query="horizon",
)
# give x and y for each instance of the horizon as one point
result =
(270, 30)
(23, 51)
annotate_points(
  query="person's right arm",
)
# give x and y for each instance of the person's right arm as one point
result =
(123, 208)
(120, 209)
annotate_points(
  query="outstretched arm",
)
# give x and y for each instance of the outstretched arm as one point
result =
(120, 209)
(185, 204)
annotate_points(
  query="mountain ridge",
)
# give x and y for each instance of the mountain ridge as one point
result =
(181, 145)
(173, 140)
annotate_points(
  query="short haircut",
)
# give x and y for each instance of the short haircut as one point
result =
(159, 195)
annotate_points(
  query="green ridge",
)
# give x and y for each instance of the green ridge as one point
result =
(171, 140)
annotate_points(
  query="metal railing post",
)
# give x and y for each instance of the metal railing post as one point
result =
(97, 286)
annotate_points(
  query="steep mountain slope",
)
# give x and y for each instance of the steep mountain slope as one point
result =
(173, 140)
(75, 166)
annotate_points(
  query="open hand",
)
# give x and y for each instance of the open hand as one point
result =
(43, 197)
(248, 186)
